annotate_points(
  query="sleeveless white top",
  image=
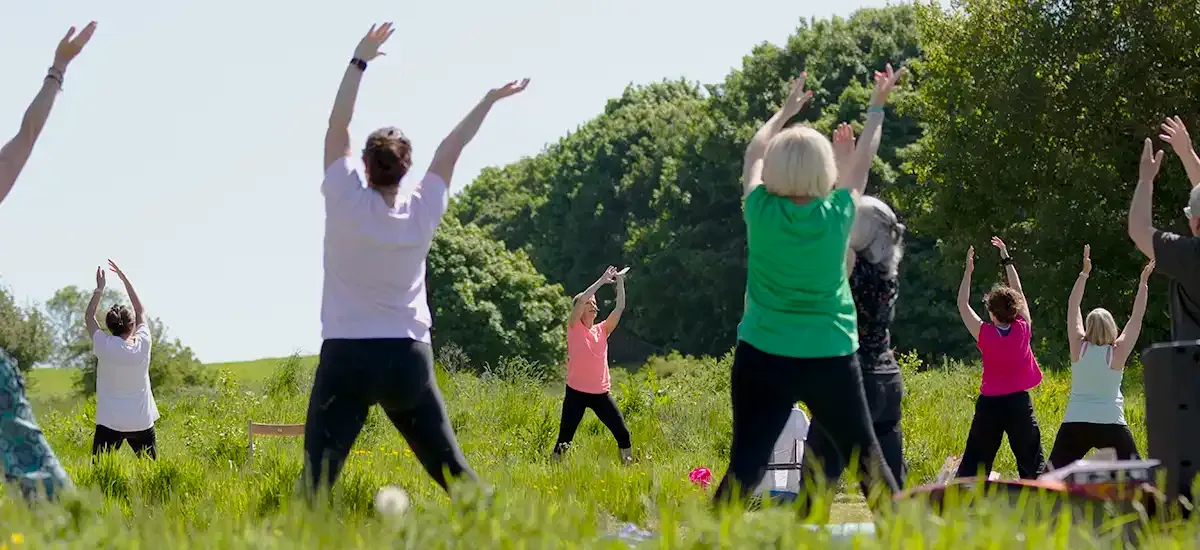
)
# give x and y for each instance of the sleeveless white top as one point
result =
(1095, 388)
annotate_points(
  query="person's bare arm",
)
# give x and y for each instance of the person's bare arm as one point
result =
(15, 154)
(89, 315)
(614, 318)
(756, 151)
(1133, 327)
(447, 153)
(1014, 281)
(1141, 222)
(337, 135)
(1176, 134)
(577, 307)
(872, 134)
(969, 317)
(1075, 331)
(139, 312)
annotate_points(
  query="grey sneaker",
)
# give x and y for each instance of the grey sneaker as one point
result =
(626, 456)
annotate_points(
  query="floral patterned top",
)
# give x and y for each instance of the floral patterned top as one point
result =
(875, 299)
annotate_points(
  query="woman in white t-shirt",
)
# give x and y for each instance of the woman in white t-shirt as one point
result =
(125, 409)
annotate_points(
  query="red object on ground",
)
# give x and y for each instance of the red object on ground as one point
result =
(701, 476)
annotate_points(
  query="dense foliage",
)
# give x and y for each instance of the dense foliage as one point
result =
(1034, 116)
(491, 302)
(654, 183)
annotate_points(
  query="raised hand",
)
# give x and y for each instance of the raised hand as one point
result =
(884, 82)
(368, 47)
(970, 259)
(843, 145)
(71, 45)
(1146, 271)
(112, 266)
(996, 242)
(1176, 134)
(1087, 259)
(512, 88)
(99, 278)
(797, 97)
(1151, 162)
(610, 275)
(620, 275)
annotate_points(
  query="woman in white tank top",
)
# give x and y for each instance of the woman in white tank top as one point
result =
(1095, 416)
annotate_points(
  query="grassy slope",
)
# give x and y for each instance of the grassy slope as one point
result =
(203, 491)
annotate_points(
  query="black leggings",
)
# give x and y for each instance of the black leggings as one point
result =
(1075, 439)
(995, 416)
(396, 373)
(143, 443)
(575, 403)
(885, 395)
(764, 387)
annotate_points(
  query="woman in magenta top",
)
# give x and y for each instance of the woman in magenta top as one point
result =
(587, 367)
(1009, 371)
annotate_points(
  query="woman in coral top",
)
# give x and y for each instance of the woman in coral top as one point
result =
(1010, 370)
(587, 367)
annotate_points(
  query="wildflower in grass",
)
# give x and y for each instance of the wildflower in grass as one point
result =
(17, 538)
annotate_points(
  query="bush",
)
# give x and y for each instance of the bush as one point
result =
(289, 378)
(491, 301)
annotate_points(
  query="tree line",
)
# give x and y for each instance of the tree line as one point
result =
(1022, 119)
(54, 334)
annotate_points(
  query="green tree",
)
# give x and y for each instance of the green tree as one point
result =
(491, 301)
(654, 182)
(65, 312)
(25, 332)
(1034, 115)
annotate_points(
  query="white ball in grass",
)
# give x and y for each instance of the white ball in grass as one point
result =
(391, 501)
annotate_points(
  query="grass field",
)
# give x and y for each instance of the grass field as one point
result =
(204, 492)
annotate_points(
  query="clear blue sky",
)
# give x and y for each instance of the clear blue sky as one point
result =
(187, 145)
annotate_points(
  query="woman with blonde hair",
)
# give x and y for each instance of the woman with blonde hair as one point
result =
(798, 335)
(1095, 415)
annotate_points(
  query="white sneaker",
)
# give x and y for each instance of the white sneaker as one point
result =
(626, 455)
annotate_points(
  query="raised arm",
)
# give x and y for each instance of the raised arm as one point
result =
(1014, 282)
(614, 318)
(756, 151)
(577, 308)
(1075, 330)
(969, 317)
(1129, 336)
(15, 153)
(859, 169)
(1141, 223)
(139, 312)
(1176, 134)
(337, 136)
(447, 153)
(89, 315)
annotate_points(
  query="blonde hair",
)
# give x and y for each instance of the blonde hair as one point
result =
(799, 163)
(878, 236)
(1100, 328)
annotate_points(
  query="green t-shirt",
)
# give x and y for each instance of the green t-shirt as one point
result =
(798, 301)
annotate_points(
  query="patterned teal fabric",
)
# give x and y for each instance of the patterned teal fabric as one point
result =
(28, 461)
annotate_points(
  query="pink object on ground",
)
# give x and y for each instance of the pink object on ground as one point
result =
(701, 476)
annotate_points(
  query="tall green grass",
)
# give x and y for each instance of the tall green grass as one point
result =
(205, 492)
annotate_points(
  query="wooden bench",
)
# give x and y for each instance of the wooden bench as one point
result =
(287, 430)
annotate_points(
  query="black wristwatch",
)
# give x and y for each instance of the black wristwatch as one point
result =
(362, 65)
(1006, 261)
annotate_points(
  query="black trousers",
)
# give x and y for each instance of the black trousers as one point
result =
(885, 395)
(575, 403)
(143, 443)
(396, 373)
(995, 416)
(764, 387)
(1075, 439)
